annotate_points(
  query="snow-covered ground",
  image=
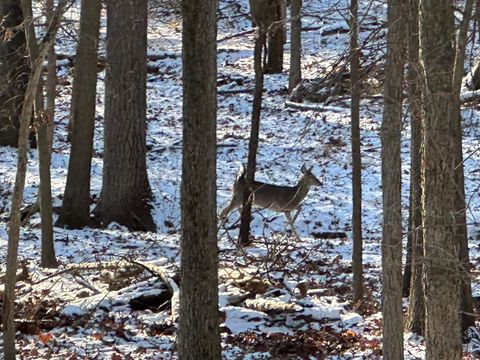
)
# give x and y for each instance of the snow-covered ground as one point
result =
(280, 298)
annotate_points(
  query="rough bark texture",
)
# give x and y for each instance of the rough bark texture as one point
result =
(17, 199)
(415, 321)
(357, 254)
(14, 69)
(441, 249)
(295, 74)
(391, 183)
(75, 211)
(198, 335)
(466, 302)
(246, 215)
(125, 189)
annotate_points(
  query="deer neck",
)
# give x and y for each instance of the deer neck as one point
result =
(302, 189)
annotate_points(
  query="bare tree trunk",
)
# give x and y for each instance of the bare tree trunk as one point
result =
(43, 121)
(51, 82)
(295, 74)
(125, 189)
(246, 215)
(14, 70)
(76, 202)
(276, 37)
(441, 248)
(44, 141)
(198, 335)
(415, 321)
(466, 302)
(391, 183)
(357, 253)
(17, 200)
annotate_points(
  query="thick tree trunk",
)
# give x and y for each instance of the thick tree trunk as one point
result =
(466, 302)
(295, 74)
(391, 183)
(14, 69)
(437, 39)
(17, 200)
(246, 215)
(357, 253)
(198, 335)
(75, 211)
(415, 321)
(125, 189)
(276, 38)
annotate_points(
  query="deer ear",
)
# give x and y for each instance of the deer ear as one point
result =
(303, 169)
(311, 168)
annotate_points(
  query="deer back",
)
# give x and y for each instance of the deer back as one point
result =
(278, 198)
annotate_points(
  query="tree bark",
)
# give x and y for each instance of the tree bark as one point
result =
(441, 248)
(75, 211)
(125, 190)
(246, 215)
(357, 253)
(17, 199)
(44, 141)
(391, 183)
(461, 234)
(43, 122)
(276, 38)
(295, 74)
(14, 70)
(415, 321)
(198, 335)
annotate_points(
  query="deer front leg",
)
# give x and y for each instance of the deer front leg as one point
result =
(291, 222)
(299, 208)
(228, 209)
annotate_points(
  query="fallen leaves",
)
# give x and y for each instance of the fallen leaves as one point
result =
(45, 338)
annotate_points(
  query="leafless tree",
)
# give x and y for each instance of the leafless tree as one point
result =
(295, 74)
(441, 248)
(357, 255)
(198, 335)
(75, 211)
(391, 183)
(125, 187)
(17, 199)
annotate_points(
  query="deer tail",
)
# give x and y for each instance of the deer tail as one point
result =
(241, 172)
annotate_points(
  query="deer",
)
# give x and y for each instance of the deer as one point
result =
(278, 198)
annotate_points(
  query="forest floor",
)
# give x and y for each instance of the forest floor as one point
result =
(280, 298)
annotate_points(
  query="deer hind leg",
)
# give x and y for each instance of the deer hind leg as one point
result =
(291, 222)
